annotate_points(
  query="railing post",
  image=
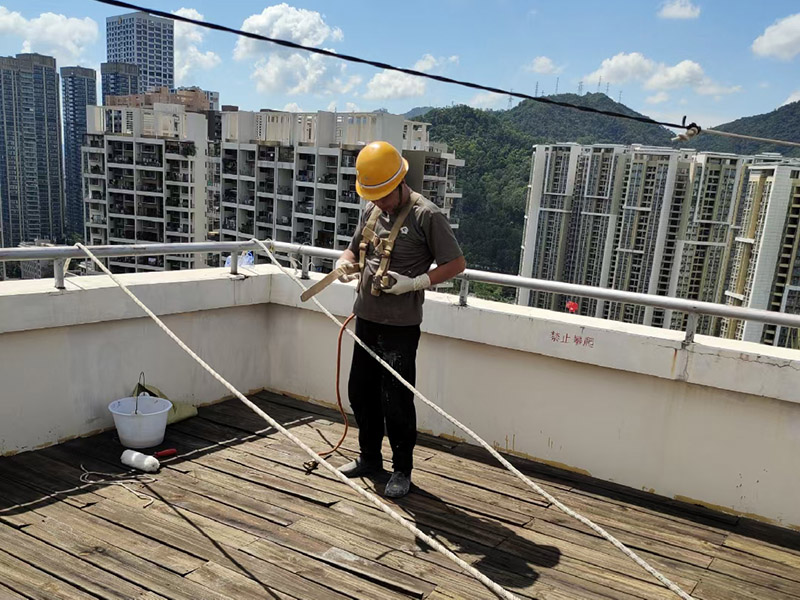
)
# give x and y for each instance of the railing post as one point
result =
(304, 262)
(691, 327)
(462, 295)
(58, 272)
(235, 262)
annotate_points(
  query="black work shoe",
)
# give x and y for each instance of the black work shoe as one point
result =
(398, 486)
(361, 468)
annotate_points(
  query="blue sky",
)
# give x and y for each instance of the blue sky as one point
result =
(711, 60)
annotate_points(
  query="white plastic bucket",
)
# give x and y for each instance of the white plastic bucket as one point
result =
(141, 427)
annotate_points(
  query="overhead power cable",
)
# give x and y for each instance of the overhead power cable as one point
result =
(441, 78)
(381, 65)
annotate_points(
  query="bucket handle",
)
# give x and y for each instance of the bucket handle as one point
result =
(143, 384)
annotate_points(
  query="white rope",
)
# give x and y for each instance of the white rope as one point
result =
(372, 498)
(751, 137)
(121, 480)
(596, 528)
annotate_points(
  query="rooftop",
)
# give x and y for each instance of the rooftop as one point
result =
(235, 516)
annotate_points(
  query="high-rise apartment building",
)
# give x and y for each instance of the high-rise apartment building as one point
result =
(31, 177)
(634, 218)
(653, 201)
(118, 79)
(571, 217)
(79, 90)
(764, 269)
(146, 41)
(291, 176)
(144, 171)
(705, 236)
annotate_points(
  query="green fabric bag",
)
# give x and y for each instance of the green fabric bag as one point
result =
(179, 410)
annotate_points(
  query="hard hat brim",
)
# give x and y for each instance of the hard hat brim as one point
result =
(377, 192)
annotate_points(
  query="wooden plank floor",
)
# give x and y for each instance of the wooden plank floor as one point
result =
(236, 516)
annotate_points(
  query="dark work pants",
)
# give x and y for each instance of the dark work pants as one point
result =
(375, 394)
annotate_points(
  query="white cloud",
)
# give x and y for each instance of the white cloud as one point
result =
(487, 100)
(622, 68)
(763, 84)
(658, 76)
(306, 27)
(283, 70)
(544, 66)
(657, 98)
(351, 107)
(793, 97)
(428, 62)
(685, 73)
(292, 107)
(392, 85)
(389, 85)
(781, 39)
(679, 9)
(65, 38)
(188, 38)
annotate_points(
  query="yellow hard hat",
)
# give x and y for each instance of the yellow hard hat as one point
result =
(379, 170)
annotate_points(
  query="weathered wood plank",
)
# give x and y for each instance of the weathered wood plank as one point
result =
(321, 573)
(234, 584)
(130, 539)
(338, 556)
(9, 594)
(771, 567)
(189, 537)
(27, 546)
(754, 576)
(582, 535)
(110, 558)
(34, 583)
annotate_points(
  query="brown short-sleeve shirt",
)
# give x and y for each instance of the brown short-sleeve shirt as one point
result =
(425, 237)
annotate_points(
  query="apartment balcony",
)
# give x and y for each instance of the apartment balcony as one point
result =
(121, 184)
(305, 176)
(247, 171)
(178, 177)
(350, 198)
(121, 209)
(123, 234)
(229, 224)
(178, 228)
(150, 187)
(150, 161)
(150, 236)
(120, 159)
(247, 200)
(246, 228)
(266, 187)
(94, 221)
(327, 212)
(228, 167)
(707, 423)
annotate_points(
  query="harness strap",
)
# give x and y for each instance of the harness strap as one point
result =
(382, 245)
(380, 280)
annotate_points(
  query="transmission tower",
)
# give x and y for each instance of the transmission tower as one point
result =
(580, 88)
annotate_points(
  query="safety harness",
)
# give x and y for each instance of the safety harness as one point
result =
(384, 246)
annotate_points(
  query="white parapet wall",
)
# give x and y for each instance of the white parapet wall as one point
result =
(715, 422)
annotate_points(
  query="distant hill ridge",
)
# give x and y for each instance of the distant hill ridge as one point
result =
(496, 146)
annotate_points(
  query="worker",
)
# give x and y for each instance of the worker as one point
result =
(400, 236)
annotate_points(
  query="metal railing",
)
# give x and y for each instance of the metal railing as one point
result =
(61, 254)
